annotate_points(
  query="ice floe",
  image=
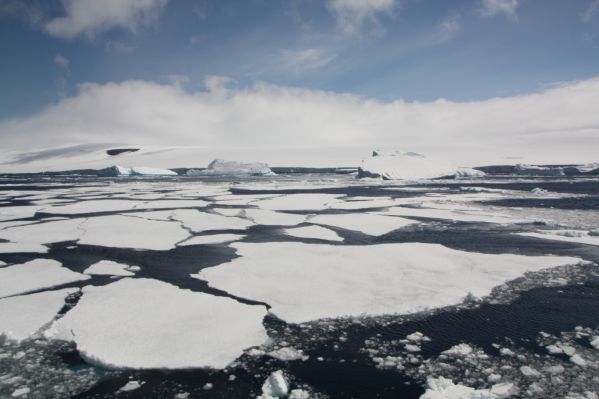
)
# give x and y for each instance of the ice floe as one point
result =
(273, 218)
(297, 202)
(109, 268)
(458, 213)
(35, 275)
(23, 315)
(318, 232)
(220, 167)
(304, 282)
(117, 171)
(31, 237)
(132, 232)
(579, 236)
(275, 386)
(211, 239)
(367, 223)
(144, 323)
(443, 388)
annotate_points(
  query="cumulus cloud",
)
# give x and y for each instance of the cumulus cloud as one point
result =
(559, 123)
(91, 17)
(491, 8)
(353, 15)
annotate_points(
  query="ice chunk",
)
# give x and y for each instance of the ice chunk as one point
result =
(443, 388)
(272, 218)
(287, 354)
(404, 166)
(303, 282)
(317, 232)
(132, 232)
(367, 223)
(529, 372)
(22, 316)
(131, 386)
(110, 268)
(459, 350)
(35, 275)
(578, 360)
(275, 386)
(298, 202)
(211, 239)
(17, 393)
(121, 171)
(220, 167)
(578, 236)
(144, 323)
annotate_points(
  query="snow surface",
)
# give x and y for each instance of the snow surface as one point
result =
(35, 275)
(22, 316)
(132, 232)
(144, 323)
(304, 282)
(367, 223)
(317, 232)
(211, 239)
(273, 218)
(31, 237)
(109, 268)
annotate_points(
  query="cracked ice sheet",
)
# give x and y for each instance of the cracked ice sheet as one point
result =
(198, 221)
(109, 268)
(23, 316)
(577, 236)
(132, 232)
(211, 239)
(298, 202)
(34, 275)
(457, 213)
(304, 282)
(273, 218)
(31, 237)
(367, 223)
(318, 232)
(117, 205)
(144, 323)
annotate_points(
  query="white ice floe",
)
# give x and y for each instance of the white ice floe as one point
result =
(31, 237)
(275, 386)
(578, 236)
(220, 167)
(443, 388)
(23, 315)
(109, 268)
(318, 232)
(131, 386)
(228, 211)
(120, 205)
(365, 204)
(367, 223)
(459, 213)
(287, 354)
(198, 221)
(211, 239)
(273, 218)
(35, 275)
(144, 323)
(304, 282)
(132, 232)
(459, 350)
(117, 171)
(298, 202)
(399, 165)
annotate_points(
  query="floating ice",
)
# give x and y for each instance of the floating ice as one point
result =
(287, 354)
(22, 316)
(298, 202)
(144, 323)
(132, 232)
(220, 167)
(578, 236)
(275, 386)
(198, 221)
(211, 239)
(272, 218)
(304, 282)
(110, 268)
(443, 388)
(131, 386)
(404, 166)
(317, 232)
(116, 171)
(35, 275)
(31, 237)
(367, 223)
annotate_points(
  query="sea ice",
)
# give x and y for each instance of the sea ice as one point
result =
(275, 386)
(578, 236)
(273, 218)
(211, 239)
(404, 166)
(443, 388)
(109, 268)
(304, 282)
(318, 232)
(144, 323)
(298, 202)
(132, 232)
(220, 167)
(367, 223)
(23, 315)
(35, 275)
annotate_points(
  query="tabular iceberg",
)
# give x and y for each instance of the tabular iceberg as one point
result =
(220, 167)
(118, 171)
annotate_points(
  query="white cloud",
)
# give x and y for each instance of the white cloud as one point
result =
(61, 61)
(491, 8)
(91, 17)
(591, 11)
(353, 15)
(559, 124)
(449, 27)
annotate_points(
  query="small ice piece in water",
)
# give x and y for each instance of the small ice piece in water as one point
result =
(595, 342)
(287, 354)
(299, 394)
(538, 190)
(578, 360)
(208, 386)
(275, 386)
(17, 393)
(529, 372)
(131, 386)
(444, 388)
(317, 232)
(109, 268)
(220, 167)
(458, 350)
(412, 348)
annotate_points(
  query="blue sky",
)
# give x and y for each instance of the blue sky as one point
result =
(383, 49)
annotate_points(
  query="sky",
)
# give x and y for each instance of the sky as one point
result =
(274, 72)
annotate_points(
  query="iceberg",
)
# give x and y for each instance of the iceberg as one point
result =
(398, 165)
(122, 171)
(220, 167)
